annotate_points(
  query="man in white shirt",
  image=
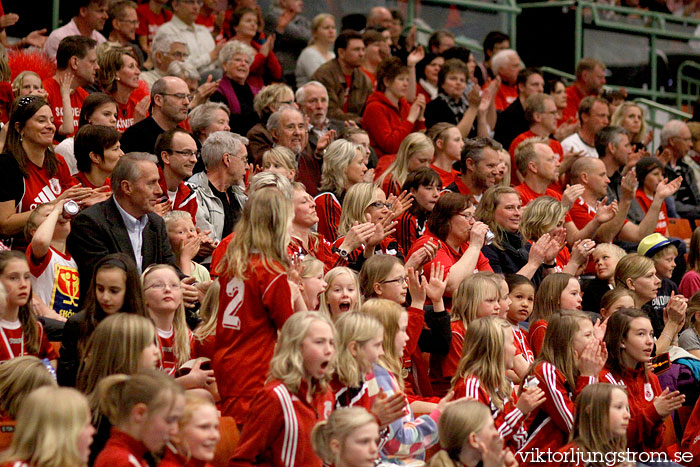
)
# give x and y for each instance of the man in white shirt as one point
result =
(594, 115)
(204, 52)
(89, 20)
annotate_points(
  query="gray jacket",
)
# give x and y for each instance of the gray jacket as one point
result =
(210, 209)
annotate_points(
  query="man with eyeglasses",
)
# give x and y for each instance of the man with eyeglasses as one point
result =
(90, 17)
(177, 152)
(170, 100)
(124, 21)
(511, 122)
(204, 52)
(165, 49)
(676, 141)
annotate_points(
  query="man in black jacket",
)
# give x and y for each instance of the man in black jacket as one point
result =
(125, 223)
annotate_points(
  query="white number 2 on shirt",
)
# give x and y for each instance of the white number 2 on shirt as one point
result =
(235, 290)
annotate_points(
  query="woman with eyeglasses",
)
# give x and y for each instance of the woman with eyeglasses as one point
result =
(364, 202)
(119, 77)
(31, 173)
(235, 89)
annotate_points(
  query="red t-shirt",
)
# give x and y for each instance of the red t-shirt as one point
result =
(34, 189)
(446, 177)
(527, 194)
(83, 180)
(505, 96)
(252, 311)
(553, 144)
(574, 96)
(166, 345)
(77, 98)
(12, 343)
(125, 112)
(149, 21)
(645, 202)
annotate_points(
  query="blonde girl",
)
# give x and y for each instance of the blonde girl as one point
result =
(343, 167)
(600, 424)
(342, 292)
(280, 160)
(604, 258)
(637, 273)
(614, 300)
(571, 358)
(476, 297)
(347, 439)
(205, 333)
(277, 430)
(689, 339)
(255, 299)
(558, 291)
(51, 434)
(629, 339)
(122, 343)
(18, 378)
(20, 332)
(197, 435)
(416, 151)
(163, 298)
(144, 410)
(28, 82)
(359, 342)
(468, 437)
(407, 437)
(448, 143)
(312, 283)
(489, 352)
(384, 276)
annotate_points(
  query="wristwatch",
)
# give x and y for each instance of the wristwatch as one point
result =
(342, 253)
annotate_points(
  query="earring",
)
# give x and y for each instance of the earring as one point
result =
(622, 346)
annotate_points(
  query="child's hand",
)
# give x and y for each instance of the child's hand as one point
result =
(530, 399)
(190, 248)
(65, 81)
(388, 409)
(435, 287)
(667, 402)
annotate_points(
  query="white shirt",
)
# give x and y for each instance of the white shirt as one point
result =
(575, 143)
(134, 227)
(198, 40)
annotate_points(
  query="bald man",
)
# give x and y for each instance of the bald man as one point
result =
(592, 174)
(379, 17)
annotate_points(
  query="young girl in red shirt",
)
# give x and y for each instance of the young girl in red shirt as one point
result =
(163, 298)
(255, 299)
(571, 357)
(476, 297)
(522, 296)
(20, 332)
(347, 439)
(558, 291)
(277, 430)
(197, 437)
(489, 351)
(51, 434)
(600, 427)
(144, 410)
(342, 292)
(630, 341)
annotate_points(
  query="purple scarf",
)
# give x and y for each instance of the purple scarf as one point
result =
(226, 88)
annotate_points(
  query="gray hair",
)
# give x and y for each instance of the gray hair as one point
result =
(273, 180)
(535, 104)
(163, 41)
(220, 143)
(183, 70)
(672, 129)
(301, 92)
(203, 115)
(233, 48)
(499, 60)
(127, 169)
(273, 123)
(609, 134)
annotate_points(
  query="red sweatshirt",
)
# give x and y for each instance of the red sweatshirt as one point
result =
(121, 450)
(319, 248)
(645, 431)
(536, 335)
(328, 209)
(251, 313)
(387, 124)
(277, 431)
(551, 422)
(691, 437)
(173, 459)
(509, 420)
